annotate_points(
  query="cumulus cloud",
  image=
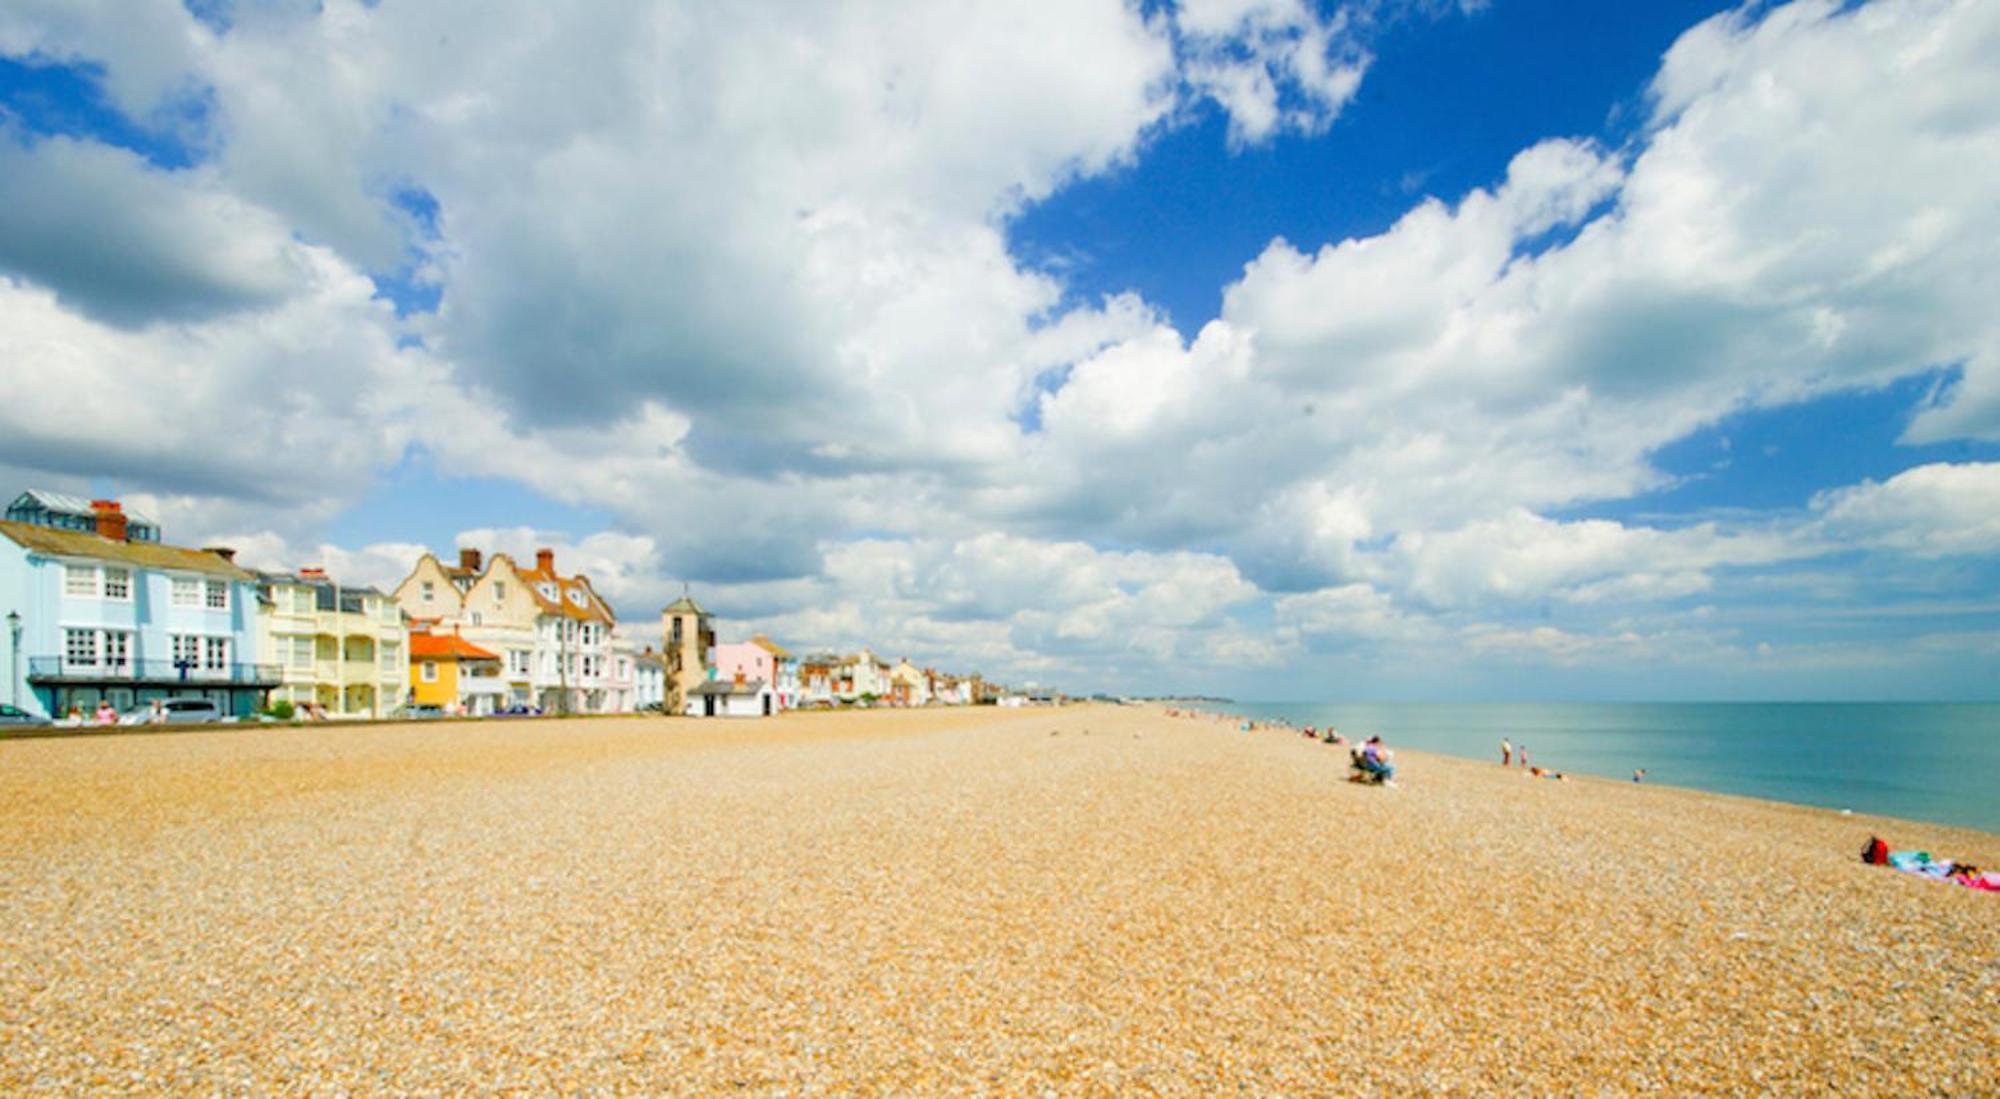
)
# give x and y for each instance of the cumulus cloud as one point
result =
(743, 283)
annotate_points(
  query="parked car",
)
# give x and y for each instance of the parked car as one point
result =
(173, 711)
(415, 711)
(14, 715)
(519, 710)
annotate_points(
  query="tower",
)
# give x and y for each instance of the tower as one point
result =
(689, 635)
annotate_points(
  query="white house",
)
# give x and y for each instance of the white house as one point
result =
(738, 697)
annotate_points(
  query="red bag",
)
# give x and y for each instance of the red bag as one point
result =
(1876, 853)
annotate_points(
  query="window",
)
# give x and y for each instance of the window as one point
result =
(187, 651)
(478, 619)
(392, 656)
(429, 590)
(187, 592)
(676, 633)
(117, 649)
(299, 652)
(547, 591)
(80, 648)
(430, 671)
(117, 583)
(215, 654)
(576, 597)
(517, 662)
(218, 595)
(80, 581)
(499, 592)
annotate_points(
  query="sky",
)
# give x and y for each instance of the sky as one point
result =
(1279, 349)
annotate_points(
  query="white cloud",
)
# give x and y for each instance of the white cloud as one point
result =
(1929, 511)
(743, 282)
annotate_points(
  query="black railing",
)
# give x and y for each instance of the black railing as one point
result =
(55, 669)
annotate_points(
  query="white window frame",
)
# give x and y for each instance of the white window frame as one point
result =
(187, 647)
(117, 648)
(80, 648)
(391, 655)
(215, 654)
(80, 581)
(427, 590)
(186, 591)
(122, 572)
(428, 671)
(300, 652)
(215, 595)
(499, 592)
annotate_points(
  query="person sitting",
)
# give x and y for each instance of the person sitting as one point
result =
(1371, 763)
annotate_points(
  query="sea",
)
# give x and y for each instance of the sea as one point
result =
(1920, 761)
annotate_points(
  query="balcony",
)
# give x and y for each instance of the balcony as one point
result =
(54, 669)
(356, 670)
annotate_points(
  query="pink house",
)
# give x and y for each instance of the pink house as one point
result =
(759, 659)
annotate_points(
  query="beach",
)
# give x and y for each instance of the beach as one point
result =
(1087, 899)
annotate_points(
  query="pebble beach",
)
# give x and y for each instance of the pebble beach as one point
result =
(1080, 900)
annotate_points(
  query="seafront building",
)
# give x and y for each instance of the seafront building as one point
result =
(454, 675)
(341, 651)
(689, 636)
(763, 660)
(98, 608)
(649, 681)
(552, 632)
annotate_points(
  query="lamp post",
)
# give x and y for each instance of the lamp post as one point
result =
(14, 658)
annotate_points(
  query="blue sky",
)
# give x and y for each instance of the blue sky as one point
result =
(1267, 347)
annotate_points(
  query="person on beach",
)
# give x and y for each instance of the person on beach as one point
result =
(1373, 760)
(105, 714)
(1524, 757)
(1638, 774)
(1506, 752)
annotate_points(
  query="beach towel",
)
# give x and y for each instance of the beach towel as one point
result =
(1923, 865)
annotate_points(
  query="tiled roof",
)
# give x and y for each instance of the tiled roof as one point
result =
(152, 555)
(437, 646)
(683, 605)
(770, 646)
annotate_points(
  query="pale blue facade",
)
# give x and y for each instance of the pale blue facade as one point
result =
(133, 638)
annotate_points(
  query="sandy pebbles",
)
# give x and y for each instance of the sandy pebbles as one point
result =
(950, 901)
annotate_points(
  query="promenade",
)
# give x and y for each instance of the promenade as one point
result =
(1083, 900)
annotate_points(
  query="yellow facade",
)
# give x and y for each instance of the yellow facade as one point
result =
(441, 690)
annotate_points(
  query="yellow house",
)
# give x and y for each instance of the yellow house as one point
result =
(453, 674)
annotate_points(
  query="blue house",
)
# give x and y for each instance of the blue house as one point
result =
(98, 608)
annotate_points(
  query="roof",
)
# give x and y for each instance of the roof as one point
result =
(683, 605)
(440, 646)
(658, 660)
(74, 505)
(729, 687)
(54, 542)
(770, 646)
(594, 607)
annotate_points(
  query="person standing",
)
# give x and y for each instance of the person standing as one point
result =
(1524, 757)
(1506, 752)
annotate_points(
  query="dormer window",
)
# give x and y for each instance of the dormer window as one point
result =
(576, 597)
(430, 591)
(548, 592)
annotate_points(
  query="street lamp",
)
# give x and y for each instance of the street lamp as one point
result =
(14, 657)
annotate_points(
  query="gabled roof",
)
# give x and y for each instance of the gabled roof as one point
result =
(729, 687)
(53, 542)
(770, 646)
(446, 646)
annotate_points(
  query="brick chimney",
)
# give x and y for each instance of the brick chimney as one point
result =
(468, 559)
(312, 572)
(545, 560)
(227, 553)
(110, 519)
(739, 677)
